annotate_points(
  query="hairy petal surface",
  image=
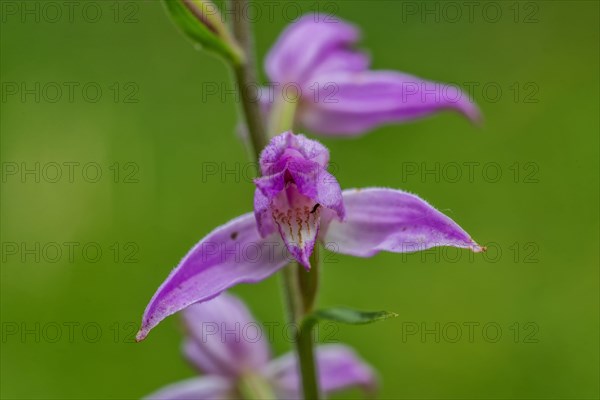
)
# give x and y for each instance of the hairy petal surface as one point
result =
(305, 44)
(288, 147)
(350, 103)
(311, 180)
(206, 387)
(338, 366)
(380, 219)
(219, 331)
(231, 254)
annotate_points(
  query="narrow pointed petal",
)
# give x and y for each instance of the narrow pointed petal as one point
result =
(305, 44)
(338, 366)
(233, 253)
(206, 387)
(224, 338)
(380, 219)
(362, 101)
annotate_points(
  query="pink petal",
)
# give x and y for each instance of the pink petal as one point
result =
(206, 387)
(380, 219)
(305, 44)
(338, 366)
(353, 103)
(224, 338)
(231, 254)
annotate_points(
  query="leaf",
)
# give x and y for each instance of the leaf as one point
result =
(347, 316)
(207, 32)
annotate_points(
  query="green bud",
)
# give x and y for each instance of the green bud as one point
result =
(201, 21)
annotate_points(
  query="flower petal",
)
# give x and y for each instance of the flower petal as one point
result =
(342, 60)
(305, 44)
(206, 387)
(311, 180)
(262, 213)
(349, 103)
(338, 366)
(392, 220)
(298, 218)
(231, 254)
(224, 338)
(319, 185)
(287, 147)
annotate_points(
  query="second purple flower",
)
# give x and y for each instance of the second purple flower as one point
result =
(338, 94)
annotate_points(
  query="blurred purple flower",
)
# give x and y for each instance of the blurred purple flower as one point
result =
(296, 203)
(226, 343)
(313, 59)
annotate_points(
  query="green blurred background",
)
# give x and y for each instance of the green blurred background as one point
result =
(155, 124)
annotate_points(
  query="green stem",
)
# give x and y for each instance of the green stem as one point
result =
(308, 282)
(299, 289)
(245, 76)
(292, 294)
(306, 355)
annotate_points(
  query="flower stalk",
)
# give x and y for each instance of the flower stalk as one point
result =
(306, 356)
(308, 283)
(245, 77)
(299, 292)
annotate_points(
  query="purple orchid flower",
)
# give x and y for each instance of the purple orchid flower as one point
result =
(296, 203)
(338, 94)
(227, 344)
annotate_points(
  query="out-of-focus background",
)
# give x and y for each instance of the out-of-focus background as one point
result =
(118, 154)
